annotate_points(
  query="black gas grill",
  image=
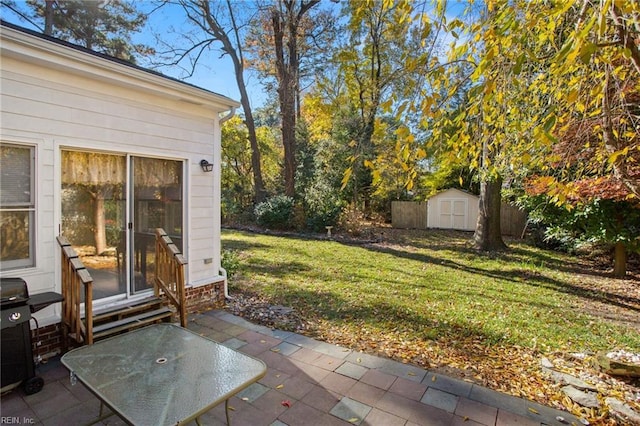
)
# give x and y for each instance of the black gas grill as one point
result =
(16, 308)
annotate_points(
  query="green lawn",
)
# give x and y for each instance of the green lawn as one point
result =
(428, 286)
(425, 297)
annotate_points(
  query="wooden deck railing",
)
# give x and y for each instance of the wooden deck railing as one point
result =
(170, 279)
(75, 280)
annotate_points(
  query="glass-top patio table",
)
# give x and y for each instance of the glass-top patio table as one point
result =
(162, 374)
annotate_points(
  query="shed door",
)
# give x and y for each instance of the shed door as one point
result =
(453, 213)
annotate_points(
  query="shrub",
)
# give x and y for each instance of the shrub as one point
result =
(275, 212)
(230, 262)
(322, 207)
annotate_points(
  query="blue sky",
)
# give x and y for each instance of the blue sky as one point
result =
(213, 72)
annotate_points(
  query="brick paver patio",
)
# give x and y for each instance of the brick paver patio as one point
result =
(307, 383)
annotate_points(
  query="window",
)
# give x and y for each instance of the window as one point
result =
(17, 206)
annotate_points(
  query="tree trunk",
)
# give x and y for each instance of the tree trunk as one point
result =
(488, 235)
(258, 183)
(48, 17)
(620, 261)
(223, 35)
(256, 168)
(286, 72)
(288, 117)
(365, 178)
(286, 25)
(99, 232)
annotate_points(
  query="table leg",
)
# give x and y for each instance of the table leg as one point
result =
(101, 416)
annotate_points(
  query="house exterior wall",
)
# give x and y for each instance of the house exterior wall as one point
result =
(54, 97)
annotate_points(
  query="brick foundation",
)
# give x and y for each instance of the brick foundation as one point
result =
(205, 297)
(47, 341)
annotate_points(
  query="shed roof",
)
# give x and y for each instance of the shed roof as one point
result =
(461, 191)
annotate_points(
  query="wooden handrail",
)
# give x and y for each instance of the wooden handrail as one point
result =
(75, 278)
(169, 277)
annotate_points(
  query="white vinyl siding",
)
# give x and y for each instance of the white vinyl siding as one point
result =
(57, 98)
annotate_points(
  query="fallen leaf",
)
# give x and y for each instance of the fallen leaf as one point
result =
(232, 408)
(263, 341)
(286, 403)
(279, 386)
(275, 349)
(359, 360)
(353, 420)
(245, 399)
(411, 374)
(433, 379)
(533, 410)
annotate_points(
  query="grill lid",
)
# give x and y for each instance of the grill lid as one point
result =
(13, 291)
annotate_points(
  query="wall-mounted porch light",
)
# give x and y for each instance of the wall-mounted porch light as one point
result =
(206, 166)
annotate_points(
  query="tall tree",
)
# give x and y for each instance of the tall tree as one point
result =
(540, 71)
(373, 62)
(316, 37)
(237, 183)
(286, 23)
(222, 22)
(487, 129)
(594, 78)
(103, 26)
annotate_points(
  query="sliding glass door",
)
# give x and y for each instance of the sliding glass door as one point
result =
(111, 206)
(157, 203)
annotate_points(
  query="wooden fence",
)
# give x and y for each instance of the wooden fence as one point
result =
(409, 214)
(413, 215)
(512, 220)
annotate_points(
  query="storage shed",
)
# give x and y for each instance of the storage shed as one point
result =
(452, 209)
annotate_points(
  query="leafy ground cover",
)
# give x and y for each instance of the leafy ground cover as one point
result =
(427, 298)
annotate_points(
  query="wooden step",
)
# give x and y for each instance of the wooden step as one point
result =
(129, 323)
(121, 311)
